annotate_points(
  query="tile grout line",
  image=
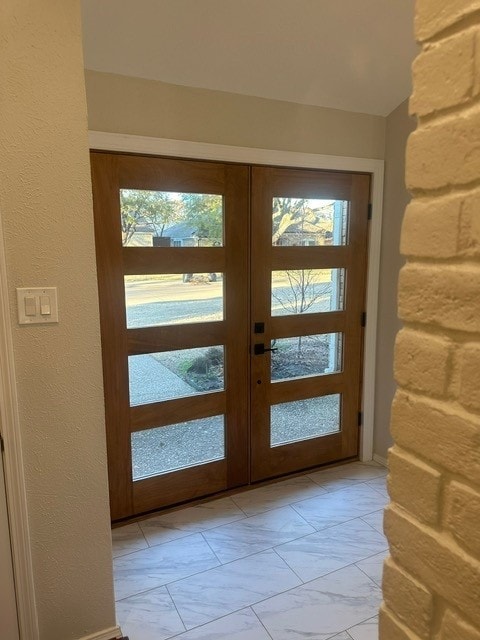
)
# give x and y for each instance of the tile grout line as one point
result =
(236, 504)
(291, 568)
(204, 624)
(350, 564)
(143, 534)
(189, 532)
(213, 550)
(266, 630)
(268, 547)
(178, 613)
(360, 569)
(347, 631)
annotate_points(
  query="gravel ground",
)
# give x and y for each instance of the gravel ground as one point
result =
(304, 419)
(176, 446)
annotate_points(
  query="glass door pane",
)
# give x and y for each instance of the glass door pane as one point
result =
(304, 419)
(170, 219)
(154, 377)
(163, 449)
(297, 291)
(302, 356)
(174, 298)
(309, 222)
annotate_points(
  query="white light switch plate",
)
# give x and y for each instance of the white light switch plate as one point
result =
(25, 306)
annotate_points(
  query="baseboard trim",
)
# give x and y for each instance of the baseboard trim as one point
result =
(112, 633)
(380, 460)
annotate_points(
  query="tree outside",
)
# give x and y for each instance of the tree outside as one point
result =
(155, 209)
(305, 221)
(300, 222)
(157, 213)
(204, 212)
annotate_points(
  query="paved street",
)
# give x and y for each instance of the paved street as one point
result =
(184, 302)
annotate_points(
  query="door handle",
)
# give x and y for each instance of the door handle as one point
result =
(259, 349)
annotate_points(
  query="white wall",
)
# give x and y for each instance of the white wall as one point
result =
(45, 199)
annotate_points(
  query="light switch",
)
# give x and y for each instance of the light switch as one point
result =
(30, 306)
(45, 305)
(37, 305)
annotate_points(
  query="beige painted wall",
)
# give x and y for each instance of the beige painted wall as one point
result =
(45, 202)
(120, 104)
(398, 127)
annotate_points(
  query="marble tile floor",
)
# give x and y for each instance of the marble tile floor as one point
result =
(299, 558)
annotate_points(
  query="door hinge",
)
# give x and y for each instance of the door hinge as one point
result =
(363, 319)
(369, 211)
(360, 418)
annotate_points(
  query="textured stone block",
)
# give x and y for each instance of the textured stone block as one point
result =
(435, 431)
(462, 515)
(414, 485)
(445, 295)
(390, 628)
(444, 74)
(444, 154)
(454, 628)
(431, 229)
(422, 362)
(436, 561)
(434, 16)
(411, 602)
(469, 376)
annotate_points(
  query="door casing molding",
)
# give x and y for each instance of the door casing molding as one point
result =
(103, 141)
(13, 468)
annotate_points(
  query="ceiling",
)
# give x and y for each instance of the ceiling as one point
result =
(353, 55)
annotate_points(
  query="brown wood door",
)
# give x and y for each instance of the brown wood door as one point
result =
(172, 259)
(195, 289)
(309, 231)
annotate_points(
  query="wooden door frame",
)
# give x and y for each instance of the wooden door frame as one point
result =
(102, 141)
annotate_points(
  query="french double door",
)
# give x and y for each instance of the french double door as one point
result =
(231, 302)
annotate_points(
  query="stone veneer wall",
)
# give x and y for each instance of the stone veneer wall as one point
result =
(432, 579)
